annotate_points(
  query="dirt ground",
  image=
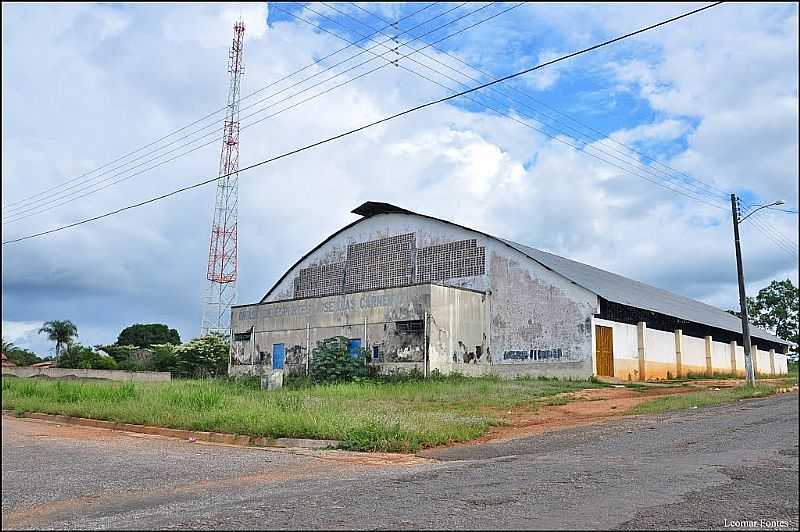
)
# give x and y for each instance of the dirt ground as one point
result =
(588, 407)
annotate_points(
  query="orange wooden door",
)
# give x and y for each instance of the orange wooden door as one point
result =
(604, 352)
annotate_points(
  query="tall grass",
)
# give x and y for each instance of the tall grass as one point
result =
(395, 416)
(703, 398)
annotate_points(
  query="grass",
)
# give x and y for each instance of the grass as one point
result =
(371, 416)
(791, 378)
(703, 398)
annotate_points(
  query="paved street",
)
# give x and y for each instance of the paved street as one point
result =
(692, 469)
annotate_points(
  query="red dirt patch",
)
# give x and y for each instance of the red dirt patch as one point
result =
(586, 407)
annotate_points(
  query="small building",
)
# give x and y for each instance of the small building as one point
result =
(421, 293)
(6, 363)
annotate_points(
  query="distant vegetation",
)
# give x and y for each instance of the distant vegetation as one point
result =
(146, 335)
(18, 355)
(775, 308)
(62, 332)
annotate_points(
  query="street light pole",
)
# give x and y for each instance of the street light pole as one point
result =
(748, 361)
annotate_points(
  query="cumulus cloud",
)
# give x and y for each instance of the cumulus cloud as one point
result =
(76, 98)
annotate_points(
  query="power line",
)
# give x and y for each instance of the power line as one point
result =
(647, 170)
(765, 227)
(26, 199)
(758, 225)
(34, 210)
(777, 231)
(601, 136)
(371, 124)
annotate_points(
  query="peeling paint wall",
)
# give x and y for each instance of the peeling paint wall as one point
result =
(514, 311)
(457, 334)
(538, 318)
(371, 317)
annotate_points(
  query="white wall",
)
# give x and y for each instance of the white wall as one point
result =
(721, 357)
(694, 355)
(781, 364)
(740, 360)
(660, 355)
(626, 348)
(108, 374)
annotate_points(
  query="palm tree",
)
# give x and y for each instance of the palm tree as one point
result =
(60, 332)
(8, 346)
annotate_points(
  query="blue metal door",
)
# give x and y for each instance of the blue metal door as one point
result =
(278, 354)
(354, 347)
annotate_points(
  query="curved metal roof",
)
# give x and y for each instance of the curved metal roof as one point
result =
(610, 286)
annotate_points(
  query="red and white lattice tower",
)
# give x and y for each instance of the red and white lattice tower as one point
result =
(222, 253)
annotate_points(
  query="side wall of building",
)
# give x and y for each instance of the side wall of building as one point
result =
(668, 355)
(540, 322)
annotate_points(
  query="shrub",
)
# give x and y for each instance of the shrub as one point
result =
(331, 362)
(82, 357)
(22, 357)
(202, 357)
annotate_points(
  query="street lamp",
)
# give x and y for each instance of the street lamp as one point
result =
(748, 360)
(773, 204)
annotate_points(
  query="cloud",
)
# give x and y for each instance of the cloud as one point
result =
(14, 331)
(546, 77)
(103, 80)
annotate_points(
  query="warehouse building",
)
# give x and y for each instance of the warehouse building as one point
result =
(418, 292)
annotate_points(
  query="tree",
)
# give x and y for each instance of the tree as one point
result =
(203, 357)
(8, 346)
(147, 334)
(165, 358)
(82, 357)
(776, 308)
(332, 362)
(18, 355)
(62, 332)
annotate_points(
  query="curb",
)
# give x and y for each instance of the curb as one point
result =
(191, 435)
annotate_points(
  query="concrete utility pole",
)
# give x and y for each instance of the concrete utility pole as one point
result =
(748, 361)
(737, 219)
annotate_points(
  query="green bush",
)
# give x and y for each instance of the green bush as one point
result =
(331, 362)
(202, 357)
(81, 357)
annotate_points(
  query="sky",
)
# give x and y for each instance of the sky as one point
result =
(579, 158)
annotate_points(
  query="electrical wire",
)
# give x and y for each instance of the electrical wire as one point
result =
(599, 135)
(371, 124)
(521, 122)
(26, 199)
(74, 196)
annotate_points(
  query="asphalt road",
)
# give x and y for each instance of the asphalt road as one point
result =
(701, 468)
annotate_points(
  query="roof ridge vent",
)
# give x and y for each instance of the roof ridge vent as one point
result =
(371, 208)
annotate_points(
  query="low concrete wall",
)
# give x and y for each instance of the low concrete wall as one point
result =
(108, 374)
